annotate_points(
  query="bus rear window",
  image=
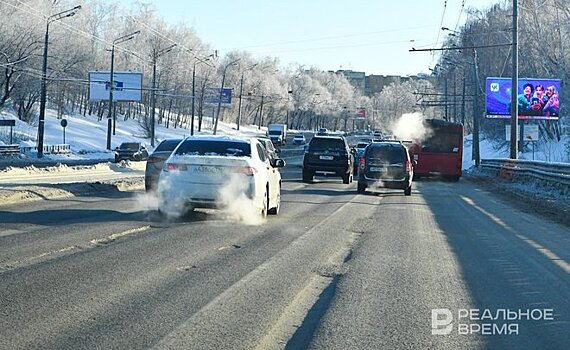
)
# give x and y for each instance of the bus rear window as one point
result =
(442, 142)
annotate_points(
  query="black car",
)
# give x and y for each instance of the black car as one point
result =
(130, 151)
(386, 164)
(328, 154)
(156, 160)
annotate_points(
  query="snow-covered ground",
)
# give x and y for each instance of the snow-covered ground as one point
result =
(87, 136)
(490, 149)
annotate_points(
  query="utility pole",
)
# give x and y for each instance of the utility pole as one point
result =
(514, 83)
(155, 56)
(196, 60)
(475, 149)
(463, 100)
(238, 121)
(260, 113)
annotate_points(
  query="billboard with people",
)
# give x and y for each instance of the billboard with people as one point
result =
(536, 98)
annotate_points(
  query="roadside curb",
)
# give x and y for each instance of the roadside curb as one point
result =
(23, 194)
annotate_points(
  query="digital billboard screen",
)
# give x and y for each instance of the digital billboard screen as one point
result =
(536, 98)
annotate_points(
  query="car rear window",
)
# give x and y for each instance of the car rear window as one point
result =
(390, 154)
(214, 148)
(167, 145)
(129, 146)
(322, 144)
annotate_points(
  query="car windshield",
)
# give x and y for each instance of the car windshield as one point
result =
(274, 132)
(214, 148)
(326, 144)
(130, 146)
(390, 154)
(167, 145)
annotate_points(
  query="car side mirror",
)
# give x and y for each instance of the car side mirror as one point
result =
(352, 150)
(278, 151)
(414, 162)
(278, 163)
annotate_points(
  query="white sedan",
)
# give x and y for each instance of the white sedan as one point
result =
(223, 172)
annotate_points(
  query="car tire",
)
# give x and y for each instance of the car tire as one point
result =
(361, 188)
(275, 209)
(264, 209)
(307, 176)
(408, 191)
(346, 178)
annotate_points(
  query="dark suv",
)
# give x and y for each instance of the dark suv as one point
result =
(130, 151)
(328, 154)
(385, 164)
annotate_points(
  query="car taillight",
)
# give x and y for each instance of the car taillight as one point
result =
(362, 163)
(408, 166)
(247, 170)
(175, 167)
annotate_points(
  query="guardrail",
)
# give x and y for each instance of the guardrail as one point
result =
(558, 173)
(9, 150)
(48, 149)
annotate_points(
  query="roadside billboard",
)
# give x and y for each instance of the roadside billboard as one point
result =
(128, 86)
(537, 98)
(212, 96)
(361, 113)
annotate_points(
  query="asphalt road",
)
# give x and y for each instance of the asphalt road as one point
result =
(334, 270)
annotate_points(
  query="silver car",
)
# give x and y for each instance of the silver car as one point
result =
(220, 172)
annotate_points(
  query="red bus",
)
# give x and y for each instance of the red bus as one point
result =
(441, 153)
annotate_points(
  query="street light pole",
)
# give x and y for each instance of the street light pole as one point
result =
(111, 118)
(43, 94)
(220, 97)
(155, 56)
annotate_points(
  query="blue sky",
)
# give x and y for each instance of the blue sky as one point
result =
(373, 36)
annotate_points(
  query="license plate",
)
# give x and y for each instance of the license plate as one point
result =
(377, 169)
(326, 157)
(207, 169)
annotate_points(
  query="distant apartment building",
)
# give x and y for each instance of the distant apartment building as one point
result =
(357, 79)
(373, 84)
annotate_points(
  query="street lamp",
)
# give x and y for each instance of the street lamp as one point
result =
(41, 121)
(221, 90)
(240, 93)
(197, 60)
(155, 56)
(111, 121)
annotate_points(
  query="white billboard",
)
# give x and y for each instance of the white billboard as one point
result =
(128, 86)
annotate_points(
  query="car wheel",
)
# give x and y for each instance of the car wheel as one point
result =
(408, 191)
(275, 209)
(265, 205)
(361, 187)
(346, 178)
(137, 157)
(307, 176)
